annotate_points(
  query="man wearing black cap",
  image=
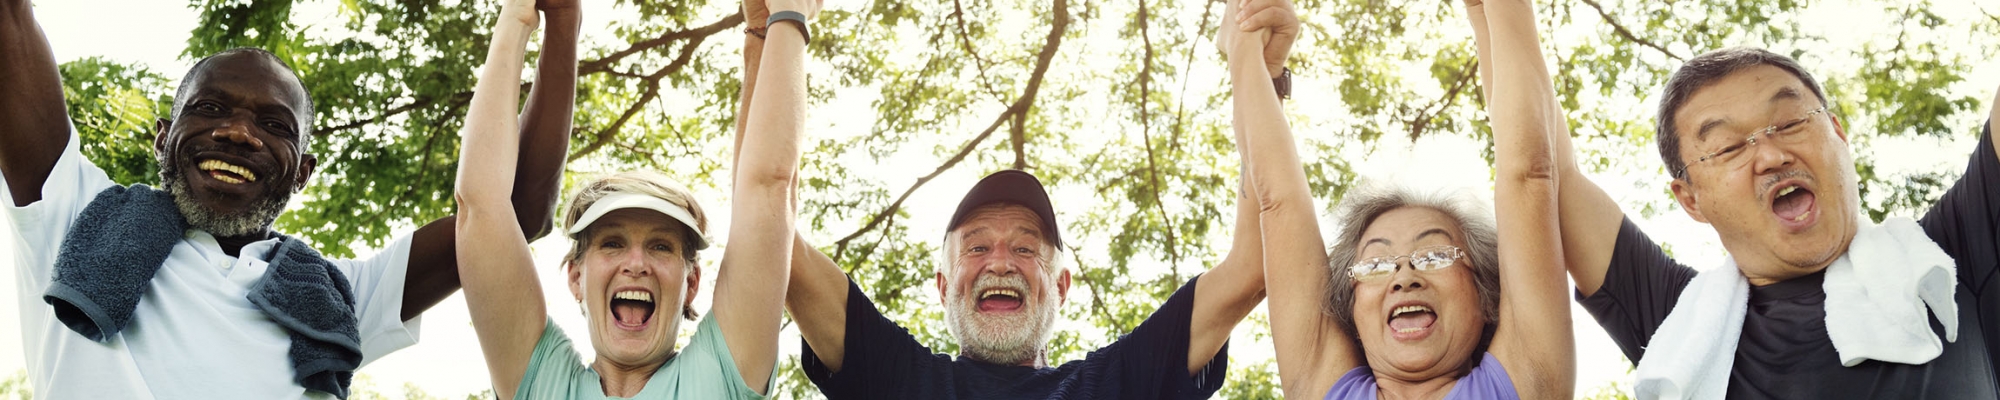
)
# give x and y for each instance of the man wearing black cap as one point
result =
(1002, 288)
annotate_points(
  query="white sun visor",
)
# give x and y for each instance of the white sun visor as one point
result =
(617, 201)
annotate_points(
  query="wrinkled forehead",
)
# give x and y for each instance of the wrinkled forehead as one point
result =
(1739, 102)
(999, 221)
(248, 79)
(1409, 228)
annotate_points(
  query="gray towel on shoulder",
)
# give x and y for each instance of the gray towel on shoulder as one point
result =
(125, 234)
(109, 256)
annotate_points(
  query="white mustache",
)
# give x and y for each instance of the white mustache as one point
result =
(1011, 281)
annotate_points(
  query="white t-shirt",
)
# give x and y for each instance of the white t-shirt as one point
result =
(194, 333)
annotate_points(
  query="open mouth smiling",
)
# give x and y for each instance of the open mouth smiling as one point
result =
(632, 309)
(226, 172)
(1411, 321)
(999, 300)
(1793, 204)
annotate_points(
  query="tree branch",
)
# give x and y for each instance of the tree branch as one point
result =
(965, 43)
(603, 64)
(1627, 33)
(1145, 79)
(652, 92)
(1460, 79)
(600, 65)
(1022, 105)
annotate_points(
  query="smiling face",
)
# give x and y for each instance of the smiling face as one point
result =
(1782, 210)
(1416, 325)
(1001, 293)
(633, 277)
(234, 153)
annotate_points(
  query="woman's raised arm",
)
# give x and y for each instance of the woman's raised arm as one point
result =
(1533, 341)
(1312, 350)
(495, 267)
(756, 266)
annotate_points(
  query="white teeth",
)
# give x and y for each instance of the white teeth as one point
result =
(633, 295)
(1800, 218)
(1408, 330)
(1000, 292)
(1787, 190)
(1399, 311)
(213, 165)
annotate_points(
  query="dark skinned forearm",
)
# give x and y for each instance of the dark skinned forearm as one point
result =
(545, 127)
(34, 122)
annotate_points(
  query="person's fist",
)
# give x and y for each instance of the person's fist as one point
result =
(1278, 20)
(522, 11)
(755, 13)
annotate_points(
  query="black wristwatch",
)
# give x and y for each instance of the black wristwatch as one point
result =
(1283, 82)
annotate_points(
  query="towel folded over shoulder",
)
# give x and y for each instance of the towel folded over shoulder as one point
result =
(125, 234)
(1879, 298)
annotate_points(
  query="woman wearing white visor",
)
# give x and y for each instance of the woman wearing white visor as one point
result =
(636, 236)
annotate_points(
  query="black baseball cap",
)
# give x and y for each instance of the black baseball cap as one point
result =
(1011, 186)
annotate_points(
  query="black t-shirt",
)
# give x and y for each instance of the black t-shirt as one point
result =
(1784, 351)
(883, 361)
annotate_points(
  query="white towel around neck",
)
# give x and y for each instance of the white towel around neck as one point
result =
(1876, 293)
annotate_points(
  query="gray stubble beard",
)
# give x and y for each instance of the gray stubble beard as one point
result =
(254, 220)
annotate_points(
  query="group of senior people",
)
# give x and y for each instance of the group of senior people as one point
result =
(184, 291)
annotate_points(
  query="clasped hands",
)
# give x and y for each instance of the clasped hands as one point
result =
(1268, 25)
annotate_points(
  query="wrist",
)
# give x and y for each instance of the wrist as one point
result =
(563, 18)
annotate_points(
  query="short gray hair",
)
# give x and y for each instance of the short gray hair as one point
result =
(1362, 205)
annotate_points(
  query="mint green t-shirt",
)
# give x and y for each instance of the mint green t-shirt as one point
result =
(703, 370)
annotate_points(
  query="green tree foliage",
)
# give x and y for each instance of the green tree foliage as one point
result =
(16, 386)
(1119, 100)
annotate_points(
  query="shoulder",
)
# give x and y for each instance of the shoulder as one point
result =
(555, 368)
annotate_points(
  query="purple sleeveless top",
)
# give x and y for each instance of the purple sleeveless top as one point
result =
(1487, 381)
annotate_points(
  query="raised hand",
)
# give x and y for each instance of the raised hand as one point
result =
(1274, 23)
(1280, 19)
(755, 12)
(523, 11)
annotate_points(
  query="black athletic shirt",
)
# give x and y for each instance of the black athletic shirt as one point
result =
(1784, 351)
(883, 361)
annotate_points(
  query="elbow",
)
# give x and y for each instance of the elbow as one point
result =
(1281, 203)
(763, 177)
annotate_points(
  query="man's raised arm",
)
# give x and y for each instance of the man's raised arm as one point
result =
(545, 127)
(34, 122)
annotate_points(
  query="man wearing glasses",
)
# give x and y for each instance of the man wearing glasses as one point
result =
(1814, 300)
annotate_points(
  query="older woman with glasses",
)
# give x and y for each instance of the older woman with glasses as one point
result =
(1422, 296)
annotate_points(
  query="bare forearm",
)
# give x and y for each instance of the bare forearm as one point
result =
(1227, 293)
(753, 54)
(762, 231)
(545, 125)
(34, 121)
(1294, 265)
(500, 286)
(1534, 332)
(817, 299)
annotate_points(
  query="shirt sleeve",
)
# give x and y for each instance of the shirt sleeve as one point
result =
(880, 360)
(40, 226)
(1965, 222)
(378, 300)
(1640, 288)
(554, 370)
(1155, 354)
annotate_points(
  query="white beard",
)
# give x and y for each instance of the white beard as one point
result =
(1000, 339)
